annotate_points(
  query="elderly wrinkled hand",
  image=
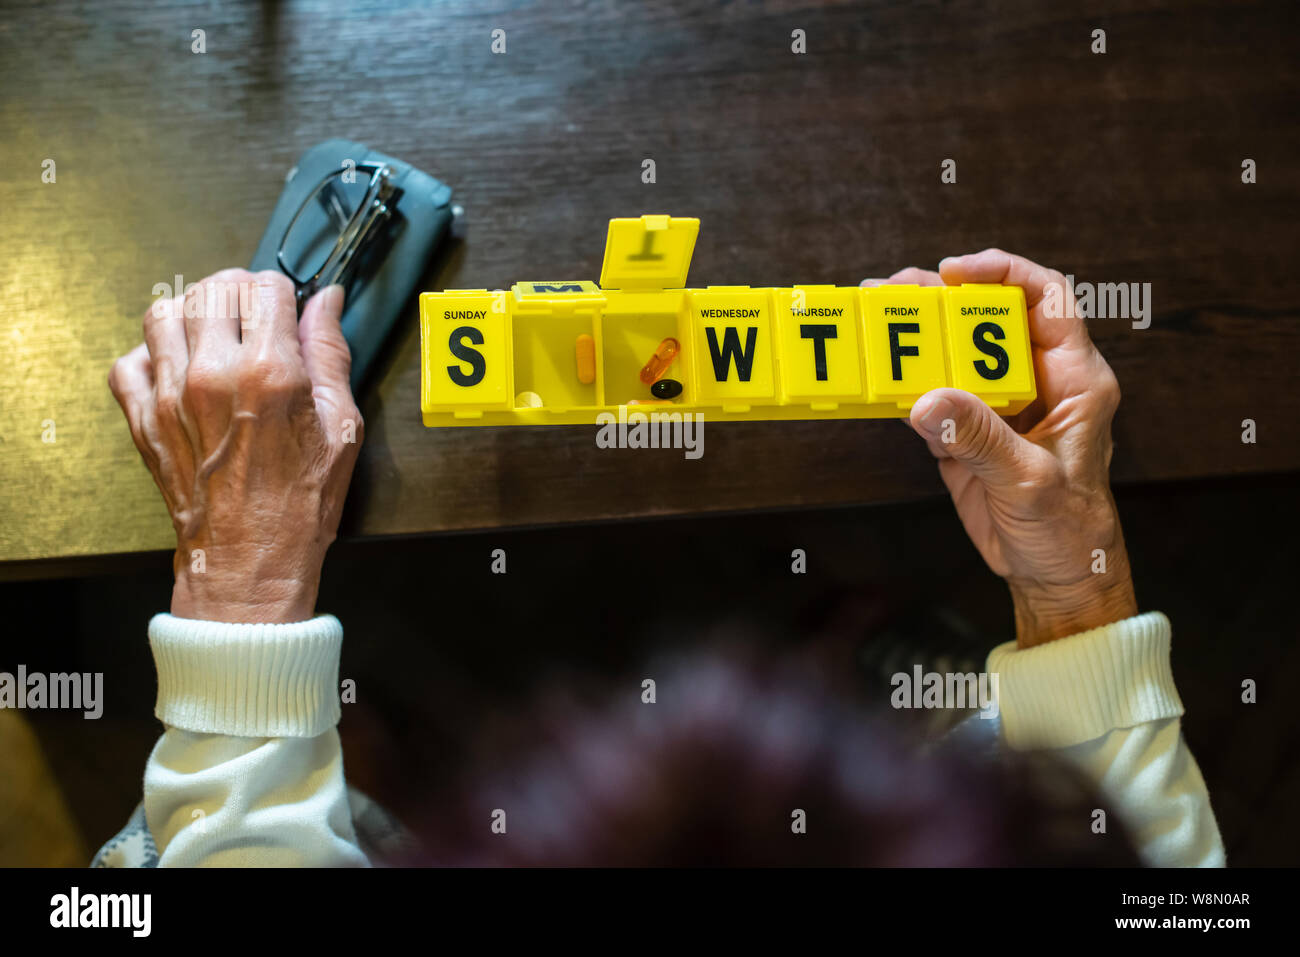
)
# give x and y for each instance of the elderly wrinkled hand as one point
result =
(245, 417)
(1033, 492)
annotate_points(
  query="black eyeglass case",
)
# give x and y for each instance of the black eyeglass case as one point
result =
(388, 270)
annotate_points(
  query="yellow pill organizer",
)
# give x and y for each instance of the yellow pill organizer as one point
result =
(745, 353)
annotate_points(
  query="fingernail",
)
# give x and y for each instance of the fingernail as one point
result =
(872, 282)
(934, 409)
(333, 297)
(949, 261)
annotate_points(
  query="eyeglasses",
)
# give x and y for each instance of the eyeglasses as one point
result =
(336, 221)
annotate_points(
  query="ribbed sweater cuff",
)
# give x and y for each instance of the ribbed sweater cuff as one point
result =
(252, 681)
(1076, 689)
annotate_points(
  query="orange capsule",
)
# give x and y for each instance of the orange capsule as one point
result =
(585, 350)
(660, 361)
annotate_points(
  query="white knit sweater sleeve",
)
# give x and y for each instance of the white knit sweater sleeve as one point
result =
(249, 771)
(1105, 700)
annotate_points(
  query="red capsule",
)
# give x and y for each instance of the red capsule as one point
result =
(658, 363)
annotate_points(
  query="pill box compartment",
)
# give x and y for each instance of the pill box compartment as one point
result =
(632, 328)
(545, 358)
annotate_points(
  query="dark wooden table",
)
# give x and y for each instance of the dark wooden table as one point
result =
(814, 168)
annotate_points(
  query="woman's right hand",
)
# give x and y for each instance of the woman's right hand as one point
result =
(1033, 492)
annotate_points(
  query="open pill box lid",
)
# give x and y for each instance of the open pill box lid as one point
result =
(524, 356)
(653, 252)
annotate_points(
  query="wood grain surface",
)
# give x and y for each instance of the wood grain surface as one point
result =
(814, 168)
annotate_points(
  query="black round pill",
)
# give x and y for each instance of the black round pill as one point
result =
(666, 389)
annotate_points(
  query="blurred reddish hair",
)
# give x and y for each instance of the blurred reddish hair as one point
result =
(715, 771)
